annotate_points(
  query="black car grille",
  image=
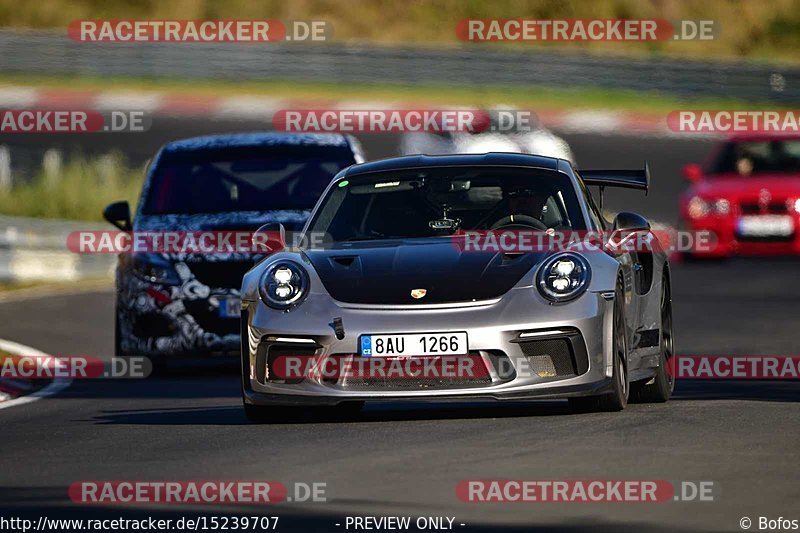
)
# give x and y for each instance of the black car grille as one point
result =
(207, 317)
(270, 370)
(776, 239)
(774, 208)
(221, 274)
(559, 355)
(549, 358)
(153, 325)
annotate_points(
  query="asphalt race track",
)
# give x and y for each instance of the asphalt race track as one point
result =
(407, 459)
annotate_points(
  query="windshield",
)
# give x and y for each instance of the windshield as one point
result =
(445, 201)
(251, 180)
(757, 157)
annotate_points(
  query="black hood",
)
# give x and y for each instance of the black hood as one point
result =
(386, 272)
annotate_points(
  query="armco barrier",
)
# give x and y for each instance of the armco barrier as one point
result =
(36, 250)
(47, 52)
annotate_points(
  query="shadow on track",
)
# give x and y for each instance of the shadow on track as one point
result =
(759, 391)
(765, 391)
(378, 412)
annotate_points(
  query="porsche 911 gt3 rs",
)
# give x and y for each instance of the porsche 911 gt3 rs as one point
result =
(394, 289)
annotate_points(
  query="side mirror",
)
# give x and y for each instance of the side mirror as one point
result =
(626, 228)
(269, 238)
(119, 214)
(630, 222)
(692, 172)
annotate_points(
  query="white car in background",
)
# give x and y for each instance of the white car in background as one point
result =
(536, 140)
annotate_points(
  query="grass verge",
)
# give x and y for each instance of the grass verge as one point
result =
(78, 190)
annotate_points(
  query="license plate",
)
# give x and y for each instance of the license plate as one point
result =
(766, 226)
(416, 344)
(230, 307)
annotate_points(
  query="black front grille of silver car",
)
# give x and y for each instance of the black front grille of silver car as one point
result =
(557, 354)
(270, 353)
(549, 358)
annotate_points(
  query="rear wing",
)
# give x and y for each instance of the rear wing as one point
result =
(629, 179)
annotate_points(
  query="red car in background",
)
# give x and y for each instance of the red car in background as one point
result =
(748, 194)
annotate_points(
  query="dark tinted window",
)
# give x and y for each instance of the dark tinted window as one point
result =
(243, 180)
(755, 157)
(410, 204)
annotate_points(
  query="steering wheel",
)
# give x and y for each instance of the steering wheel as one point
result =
(519, 222)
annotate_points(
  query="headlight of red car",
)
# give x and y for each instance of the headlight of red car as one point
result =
(722, 206)
(698, 208)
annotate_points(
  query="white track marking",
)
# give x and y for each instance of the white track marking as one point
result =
(55, 387)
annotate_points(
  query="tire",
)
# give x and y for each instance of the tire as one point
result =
(617, 399)
(660, 387)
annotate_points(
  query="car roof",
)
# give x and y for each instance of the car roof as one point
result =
(433, 161)
(254, 140)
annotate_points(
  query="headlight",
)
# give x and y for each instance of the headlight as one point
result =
(284, 285)
(563, 277)
(155, 269)
(722, 206)
(795, 205)
(698, 208)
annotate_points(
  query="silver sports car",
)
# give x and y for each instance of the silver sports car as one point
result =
(427, 287)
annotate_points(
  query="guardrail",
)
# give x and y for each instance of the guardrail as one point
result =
(43, 52)
(36, 250)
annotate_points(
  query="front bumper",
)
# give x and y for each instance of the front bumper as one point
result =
(179, 320)
(511, 330)
(728, 242)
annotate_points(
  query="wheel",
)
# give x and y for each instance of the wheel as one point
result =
(660, 387)
(617, 399)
